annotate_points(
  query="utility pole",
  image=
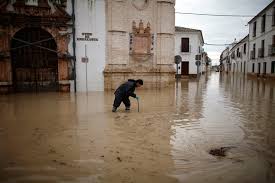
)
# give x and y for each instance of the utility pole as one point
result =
(74, 44)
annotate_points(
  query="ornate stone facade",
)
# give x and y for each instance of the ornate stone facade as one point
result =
(140, 42)
(51, 20)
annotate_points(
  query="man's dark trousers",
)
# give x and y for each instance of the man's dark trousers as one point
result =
(119, 99)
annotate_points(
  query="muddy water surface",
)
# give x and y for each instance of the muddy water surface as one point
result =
(67, 138)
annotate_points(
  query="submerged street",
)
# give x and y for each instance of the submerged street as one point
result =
(68, 138)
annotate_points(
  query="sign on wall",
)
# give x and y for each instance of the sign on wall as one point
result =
(84, 59)
(87, 37)
(141, 41)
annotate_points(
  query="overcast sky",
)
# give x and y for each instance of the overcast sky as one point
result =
(218, 30)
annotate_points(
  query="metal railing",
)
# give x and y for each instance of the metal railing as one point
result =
(239, 55)
(189, 51)
(261, 52)
(271, 50)
(252, 54)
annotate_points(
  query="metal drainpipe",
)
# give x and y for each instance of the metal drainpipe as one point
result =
(74, 43)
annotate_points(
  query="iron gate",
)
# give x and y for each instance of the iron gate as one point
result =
(34, 61)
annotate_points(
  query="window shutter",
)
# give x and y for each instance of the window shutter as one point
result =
(185, 45)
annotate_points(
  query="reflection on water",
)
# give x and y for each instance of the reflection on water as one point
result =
(51, 137)
(232, 111)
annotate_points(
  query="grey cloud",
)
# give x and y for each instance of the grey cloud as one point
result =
(218, 29)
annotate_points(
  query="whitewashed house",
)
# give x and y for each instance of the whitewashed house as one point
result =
(189, 44)
(90, 33)
(224, 60)
(52, 41)
(238, 56)
(262, 43)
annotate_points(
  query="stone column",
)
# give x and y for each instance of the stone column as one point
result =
(117, 42)
(165, 39)
(5, 61)
(62, 41)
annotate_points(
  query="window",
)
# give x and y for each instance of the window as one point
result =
(261, 51)
(185, 45)
(253, 67)
(271, 47)
(241, 66)
(259, 68)
(273, 67)
(254, 28)
(244, 48)
(263, 22)
(273, 17)
(233, 54)
(253, 54)
(264, 69)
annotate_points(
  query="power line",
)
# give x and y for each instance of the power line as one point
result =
(232, 44)
(212, 44)
(217, 15)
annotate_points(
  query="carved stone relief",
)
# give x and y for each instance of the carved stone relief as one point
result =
(140, 4)
(141, 41)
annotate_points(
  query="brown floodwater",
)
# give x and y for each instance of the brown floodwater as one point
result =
(68, 138)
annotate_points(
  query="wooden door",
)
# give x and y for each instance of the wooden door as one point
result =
(184, 68)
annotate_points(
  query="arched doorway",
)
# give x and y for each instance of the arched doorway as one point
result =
(34, 61)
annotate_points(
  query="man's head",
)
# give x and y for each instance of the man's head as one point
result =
(139, 82)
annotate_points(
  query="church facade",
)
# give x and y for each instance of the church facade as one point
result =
(91, 45)
(140, 42)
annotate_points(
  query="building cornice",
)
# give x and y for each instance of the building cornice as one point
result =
(261, 12)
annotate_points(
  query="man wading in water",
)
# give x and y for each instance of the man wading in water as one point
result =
(124, 91)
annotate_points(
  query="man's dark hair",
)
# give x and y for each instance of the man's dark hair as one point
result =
(140, 81)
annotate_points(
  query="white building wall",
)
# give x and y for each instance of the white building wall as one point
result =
(194, 43)
(89, 18)
(267, 36)
(223, 57)
(239, 62)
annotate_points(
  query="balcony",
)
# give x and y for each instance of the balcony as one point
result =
(239, 55)
(252, 55)
(233, 55)
(254, 33)
(271, 50)
(187, 50)
(198, 57)
(228, 60)
(261, 52)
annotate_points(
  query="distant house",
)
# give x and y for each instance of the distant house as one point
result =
(238, 56)
(189, 45)
(262, 42)
(224, 60)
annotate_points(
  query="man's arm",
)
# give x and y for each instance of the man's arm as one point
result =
(133, 95)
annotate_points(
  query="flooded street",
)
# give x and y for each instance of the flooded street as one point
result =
(67, 138)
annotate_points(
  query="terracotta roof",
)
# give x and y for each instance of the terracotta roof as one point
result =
(185, 29)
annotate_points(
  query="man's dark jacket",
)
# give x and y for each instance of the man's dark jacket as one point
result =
(127, 89)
